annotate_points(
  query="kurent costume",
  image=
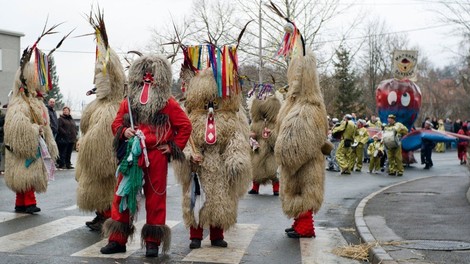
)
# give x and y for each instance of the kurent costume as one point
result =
(263, 112)
(375, 152)
(160, 129)
(347, 128)
(30, 146)
(441, 147)
(360, 140)
(96, 162)
(302, 128)
(217, 169)
(393, 132)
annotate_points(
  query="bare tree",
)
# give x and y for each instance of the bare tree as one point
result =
(376, 59)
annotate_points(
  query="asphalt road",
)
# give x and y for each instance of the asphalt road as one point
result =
(58, 235)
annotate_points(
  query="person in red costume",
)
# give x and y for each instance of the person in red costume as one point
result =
(166, 128)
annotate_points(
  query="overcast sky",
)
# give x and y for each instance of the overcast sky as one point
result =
(129, 25)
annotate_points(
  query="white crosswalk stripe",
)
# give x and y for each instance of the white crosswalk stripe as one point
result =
(7, 216)
(238, 239)
(318, 250)
(131, 247)
(313, 250)
(31, 236)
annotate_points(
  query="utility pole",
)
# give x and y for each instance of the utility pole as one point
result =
(260, 70)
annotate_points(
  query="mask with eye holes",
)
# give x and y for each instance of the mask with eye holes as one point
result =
(399, 97)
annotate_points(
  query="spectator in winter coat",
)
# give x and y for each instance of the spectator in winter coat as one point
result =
(66, 138)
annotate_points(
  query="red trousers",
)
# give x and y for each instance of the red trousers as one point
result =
(155, 177)
(25, 198)
(275, 186)
(462, 151)
(215, 233)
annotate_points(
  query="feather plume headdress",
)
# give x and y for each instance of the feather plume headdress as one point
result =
(102, 44)
(222, 59)
(42, 72)
(292, 43)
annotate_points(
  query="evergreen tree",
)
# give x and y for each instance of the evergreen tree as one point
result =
(349, 99)
(55, 92)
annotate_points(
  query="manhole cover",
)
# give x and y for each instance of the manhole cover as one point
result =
(439, 245)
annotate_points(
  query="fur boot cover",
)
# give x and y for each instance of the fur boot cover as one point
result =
(225, 172)
(302, 132)
(160, 233)
(97, 162)
(263, 123)
(124, 230)
(26, 116)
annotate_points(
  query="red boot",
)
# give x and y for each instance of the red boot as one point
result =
(276, 188)
(254, 189)
(303, 226)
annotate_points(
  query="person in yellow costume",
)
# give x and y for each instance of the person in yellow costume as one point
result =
(395, 162)
(360, 140)
(374, 122)
(347, 128)
(375, 152)
(440, 147)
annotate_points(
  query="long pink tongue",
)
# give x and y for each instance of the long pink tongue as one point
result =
(144, 95)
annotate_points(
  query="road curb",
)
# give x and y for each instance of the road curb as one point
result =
(377, 254)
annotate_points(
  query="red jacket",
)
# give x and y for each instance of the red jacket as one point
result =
(179, 131)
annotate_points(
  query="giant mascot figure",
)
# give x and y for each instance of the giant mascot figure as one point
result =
(302, 127)
(264, 107)
(30, 145)
(217, 169)
(97, 163)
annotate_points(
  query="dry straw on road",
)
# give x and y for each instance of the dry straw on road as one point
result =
(361, 251)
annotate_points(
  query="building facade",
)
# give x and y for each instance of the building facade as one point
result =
(10, 53)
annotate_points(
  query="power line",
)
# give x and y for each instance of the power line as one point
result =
(388, 33)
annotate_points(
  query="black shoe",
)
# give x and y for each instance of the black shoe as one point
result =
(151, 250)
(94, 221)
(70, 167)
(98, 225)
(391, 173)
(20, 209)
(219, 243)
(113, 247)
(195, 243)
(253, 191)
(399, 174)
(358, 170)
(31, 209)
(276, 193)
(427, 167)
(290, 229)
(294, 234)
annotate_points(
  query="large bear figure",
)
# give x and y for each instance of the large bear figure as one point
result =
(222, 167)
(96, 162)
(301, 144)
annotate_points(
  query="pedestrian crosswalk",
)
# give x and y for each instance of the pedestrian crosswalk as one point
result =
(240, 238)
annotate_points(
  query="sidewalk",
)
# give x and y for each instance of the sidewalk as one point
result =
(420, 220)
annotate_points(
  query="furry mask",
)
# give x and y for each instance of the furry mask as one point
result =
(150, 81)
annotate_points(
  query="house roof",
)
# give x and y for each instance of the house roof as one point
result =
(11, 33)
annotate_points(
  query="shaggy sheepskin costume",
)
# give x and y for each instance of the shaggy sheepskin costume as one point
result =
(224, 173)
(96, 162)
(166, 127)
(302, 131)
(263, 138)
(26, 120)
